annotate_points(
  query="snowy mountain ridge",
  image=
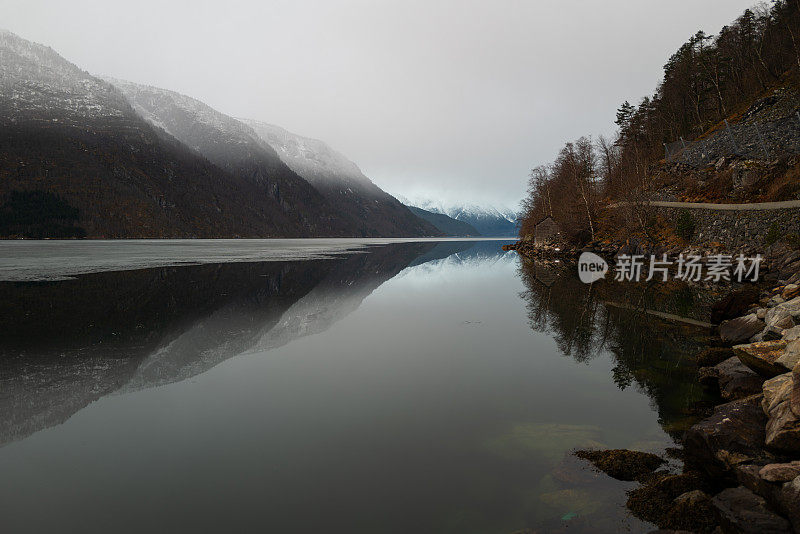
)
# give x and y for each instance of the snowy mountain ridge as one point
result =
(35, 81)
(168, 110)
(489, 220)
(458, 210)
(311, 158)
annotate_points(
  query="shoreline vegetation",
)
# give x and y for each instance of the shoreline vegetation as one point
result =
(722, 128)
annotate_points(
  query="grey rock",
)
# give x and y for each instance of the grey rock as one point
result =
(775, 301)
(792, 334)
(790, 356)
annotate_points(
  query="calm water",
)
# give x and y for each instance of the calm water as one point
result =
(406, 387)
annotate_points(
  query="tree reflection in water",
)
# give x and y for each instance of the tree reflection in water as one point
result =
(626, 320)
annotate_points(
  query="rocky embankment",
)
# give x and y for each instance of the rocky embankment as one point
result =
(741, 463)
(751, 443)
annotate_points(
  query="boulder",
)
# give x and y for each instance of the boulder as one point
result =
(733, 435)
(749, 476)
(741, 328)
(791, 334)
(784, 472)
(782, 431)
(734, 305)
(733, 379)
(779, 317)
(739, 510)
(790, 356)
(761, 357)
(789, 502)
(775, 391)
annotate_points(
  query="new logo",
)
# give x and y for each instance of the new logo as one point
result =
(591, 267)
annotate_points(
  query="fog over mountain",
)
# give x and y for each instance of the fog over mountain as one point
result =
(341, 182)
(444, 98)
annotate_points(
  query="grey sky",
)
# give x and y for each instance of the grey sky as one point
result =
(454, 98)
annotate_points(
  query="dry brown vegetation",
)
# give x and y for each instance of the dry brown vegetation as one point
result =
(707, 80)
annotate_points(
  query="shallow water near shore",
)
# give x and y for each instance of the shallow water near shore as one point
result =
(419, 387)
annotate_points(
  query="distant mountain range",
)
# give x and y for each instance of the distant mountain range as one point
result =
(489, 221)
(109, 158)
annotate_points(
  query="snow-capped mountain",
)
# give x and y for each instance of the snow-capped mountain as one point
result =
(490, 221)
(316, 187)
(71, 138)
(38, 84)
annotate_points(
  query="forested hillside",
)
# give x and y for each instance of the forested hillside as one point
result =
(721, 126)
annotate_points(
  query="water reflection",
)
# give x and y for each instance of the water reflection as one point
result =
(406, 389)
(67, 343)
(652, 331)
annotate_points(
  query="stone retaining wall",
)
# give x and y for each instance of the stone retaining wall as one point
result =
(736, 229)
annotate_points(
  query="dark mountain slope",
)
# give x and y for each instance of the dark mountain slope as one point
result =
(66, 132)
(343, 184)
(446, 224)
(235, 147)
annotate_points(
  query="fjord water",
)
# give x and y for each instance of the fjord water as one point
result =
(404, 387)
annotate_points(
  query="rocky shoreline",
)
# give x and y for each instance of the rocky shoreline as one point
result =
(741, 471)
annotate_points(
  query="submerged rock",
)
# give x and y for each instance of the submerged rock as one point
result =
(739, 510)
(673, 501)
(733, 435)
(622, 464)
(544, 440)
(762, 357)
(741, 328)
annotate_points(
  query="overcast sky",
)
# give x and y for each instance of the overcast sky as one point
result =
(455, 99)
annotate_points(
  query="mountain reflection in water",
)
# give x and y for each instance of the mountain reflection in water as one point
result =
(407, 388)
